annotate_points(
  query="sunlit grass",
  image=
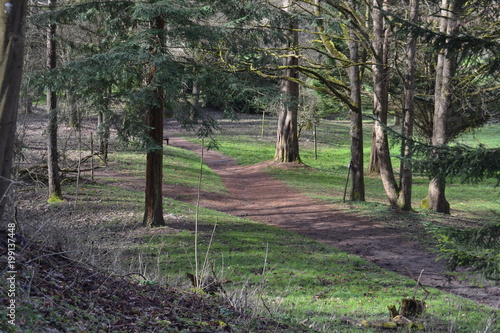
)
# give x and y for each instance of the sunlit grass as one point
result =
(328, 173)
(488, 135)
(293, 278)
(181, 167)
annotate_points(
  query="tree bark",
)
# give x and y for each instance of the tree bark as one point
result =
(12, 28)
(380, 102)
(445, 72)
(287, 142)
(195, 107)
(373, 164)
(357, 190)
(103, 133)
(55, 192)
(153, 211)
(356, 171)
(406, 176)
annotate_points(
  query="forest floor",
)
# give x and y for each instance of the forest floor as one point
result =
(255, 195)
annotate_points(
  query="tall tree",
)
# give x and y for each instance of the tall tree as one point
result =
(12, 29)
(55, 192)
(381, 100)
(153, 211)
(287, 142)
(357, 192)
(319, 66)
(445, 72)
(406, 177)
(132, 64)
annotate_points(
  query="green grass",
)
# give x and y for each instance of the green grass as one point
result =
(181, 167)
(298, 279)
(284, 275)
(489, 136)
(328, 173)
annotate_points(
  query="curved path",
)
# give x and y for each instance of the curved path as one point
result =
(256, 196)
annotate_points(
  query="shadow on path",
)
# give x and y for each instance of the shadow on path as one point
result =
(255, 195)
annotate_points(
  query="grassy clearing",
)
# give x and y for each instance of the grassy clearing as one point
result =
(487, 136)
(278, 273)
(328, 173)
(181, 168)
(274, 272)
(325, 180)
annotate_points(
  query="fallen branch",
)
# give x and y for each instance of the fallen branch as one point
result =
(394, 323)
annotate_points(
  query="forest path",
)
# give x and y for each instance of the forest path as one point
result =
(257, 196)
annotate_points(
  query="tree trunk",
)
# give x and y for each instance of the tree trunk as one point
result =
(153, 212)
(12, 27)
(74, 115)
(356, 171)
(357, 190)
(55, 192)
(195, 107)
(287, 142)
(445, 72)
(103, 133)
(27, 104)
(408, 114)
(373, 164)
(380, 102)
(397, 120)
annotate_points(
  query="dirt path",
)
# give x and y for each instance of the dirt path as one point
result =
(259, 197)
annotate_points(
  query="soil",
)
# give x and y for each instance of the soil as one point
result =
(255, 195)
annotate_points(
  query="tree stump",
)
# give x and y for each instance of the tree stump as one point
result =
(411, 308)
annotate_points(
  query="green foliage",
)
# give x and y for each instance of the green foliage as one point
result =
(121, 59)
(457, 162)
(239, 92)
(476, 39)
(475, 248)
